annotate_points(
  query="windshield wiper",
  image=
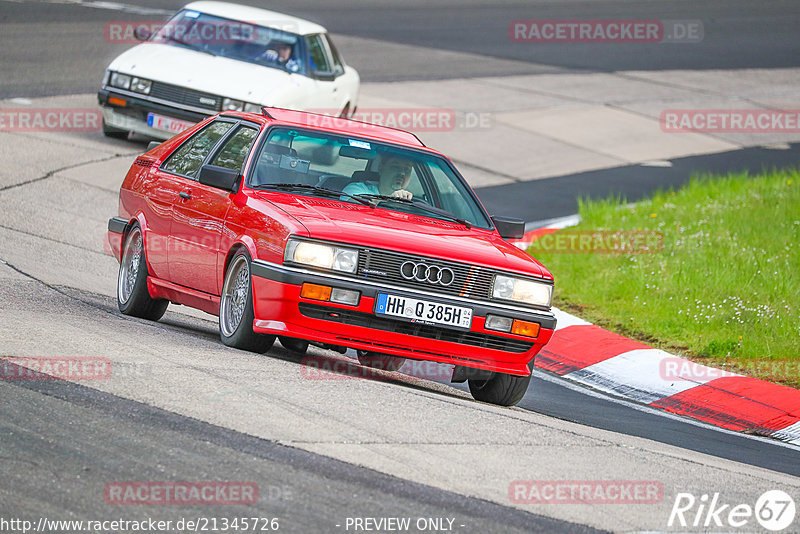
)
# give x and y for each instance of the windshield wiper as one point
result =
(189, 45)
(317, 189)
(423, 206)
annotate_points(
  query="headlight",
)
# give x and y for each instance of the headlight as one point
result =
(229, 104)
(324, 256)
(253, 108)
(140, 85)
(123, 81)
(521, 290)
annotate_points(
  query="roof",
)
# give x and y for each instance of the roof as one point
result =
(254, 15)
(344, 126)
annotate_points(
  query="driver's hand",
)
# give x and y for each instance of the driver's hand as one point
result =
(402, 193)
(270, 55)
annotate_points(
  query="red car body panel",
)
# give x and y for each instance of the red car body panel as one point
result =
(188, 242)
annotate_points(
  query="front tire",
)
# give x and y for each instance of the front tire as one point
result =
(501, 389)
(114, 133)
(132, 296)
(236, 314)
(293, 344)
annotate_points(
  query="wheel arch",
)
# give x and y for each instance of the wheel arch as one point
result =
(142, 221)
(245, 243)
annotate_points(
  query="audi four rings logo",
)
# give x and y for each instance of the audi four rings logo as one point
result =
(421, 272)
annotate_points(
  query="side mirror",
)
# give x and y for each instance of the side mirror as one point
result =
(508, 227)
(152, 144)
(219, 177)
(141, 33)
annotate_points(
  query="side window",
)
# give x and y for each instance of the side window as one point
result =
(338, 65)
(234, 151)
(189, 157)
(318, 53)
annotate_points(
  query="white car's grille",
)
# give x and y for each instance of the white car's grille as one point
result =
(186, 97)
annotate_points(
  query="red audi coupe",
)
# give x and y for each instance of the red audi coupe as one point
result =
(336, 233)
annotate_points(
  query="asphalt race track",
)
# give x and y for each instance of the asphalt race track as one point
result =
(325, 449)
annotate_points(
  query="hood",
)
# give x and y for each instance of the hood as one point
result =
(329, 219)
(203, 72)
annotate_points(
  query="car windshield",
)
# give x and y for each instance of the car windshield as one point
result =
(243, 41)
(390, 176)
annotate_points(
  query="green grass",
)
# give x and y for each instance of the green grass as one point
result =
(724, 289)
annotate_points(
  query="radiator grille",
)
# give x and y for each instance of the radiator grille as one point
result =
(185, 96)
(383, 266)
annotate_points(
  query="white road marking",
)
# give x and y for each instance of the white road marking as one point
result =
(538, 373)
(643, 375)
(791, 433)
(564, 319)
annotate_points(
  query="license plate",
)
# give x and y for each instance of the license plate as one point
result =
(169, 124)
(423, 311)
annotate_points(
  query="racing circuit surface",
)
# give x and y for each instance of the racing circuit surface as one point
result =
(325, 448)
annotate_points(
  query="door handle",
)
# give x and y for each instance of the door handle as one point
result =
(185, 195)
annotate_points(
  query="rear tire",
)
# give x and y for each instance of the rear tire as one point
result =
(132, 296)
(236, 314)
(501, 389)
(376, 360)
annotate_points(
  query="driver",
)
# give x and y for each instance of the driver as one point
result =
(280, 52)
(394, 175)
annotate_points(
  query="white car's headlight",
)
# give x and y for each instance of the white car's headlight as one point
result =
(521, 290)
(140, 85)
(321, 255)
(122, 81)
(229, 104)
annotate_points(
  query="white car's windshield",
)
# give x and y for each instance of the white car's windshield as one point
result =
(396, 178)
(243, 41)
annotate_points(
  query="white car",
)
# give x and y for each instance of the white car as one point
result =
(214, 56)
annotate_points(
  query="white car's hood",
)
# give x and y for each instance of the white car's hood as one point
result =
(204, 72)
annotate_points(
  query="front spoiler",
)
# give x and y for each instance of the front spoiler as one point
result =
(277, 307)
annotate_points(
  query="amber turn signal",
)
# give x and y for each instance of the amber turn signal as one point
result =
(315, 292)
(525, 328)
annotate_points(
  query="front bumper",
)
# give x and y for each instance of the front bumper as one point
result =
(279, 309)
(133, 115)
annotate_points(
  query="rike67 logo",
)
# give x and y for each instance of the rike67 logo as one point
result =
(774, 510)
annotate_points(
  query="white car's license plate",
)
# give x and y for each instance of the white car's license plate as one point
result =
(160, 122)
(423, 311)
